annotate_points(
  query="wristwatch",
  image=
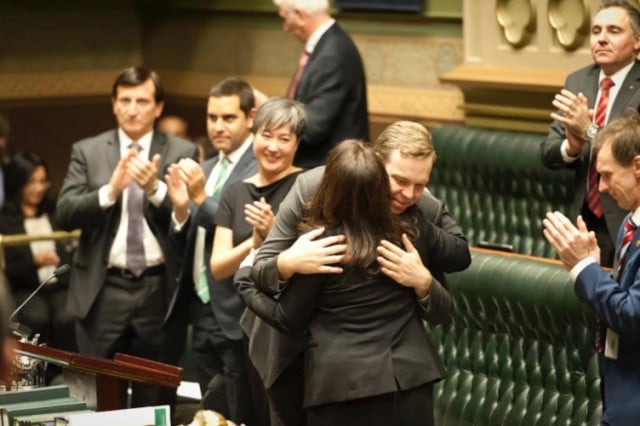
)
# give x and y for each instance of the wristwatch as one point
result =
(590, 132)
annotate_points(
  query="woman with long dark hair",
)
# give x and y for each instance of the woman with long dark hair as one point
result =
(28, 210)
(367, 357)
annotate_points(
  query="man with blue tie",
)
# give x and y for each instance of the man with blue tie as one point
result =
(213, 306)
(615, 297)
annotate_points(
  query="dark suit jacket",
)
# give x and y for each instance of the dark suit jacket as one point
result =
(333, 89)
(21, 270)
(92, 163)
(445, 250)
(617, 304)
(226, 304)
(585, 80)
(366, 337)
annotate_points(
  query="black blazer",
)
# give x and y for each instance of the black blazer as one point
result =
(92, 163)
(585, 80)
(226, 304)
(445, 249)
(21, 271)
(365, 337)
(333, 89)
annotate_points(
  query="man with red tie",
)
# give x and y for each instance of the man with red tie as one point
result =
(614, 297)
(329, 80)
(593, 96)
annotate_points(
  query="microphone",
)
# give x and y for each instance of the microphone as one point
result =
(60, 271)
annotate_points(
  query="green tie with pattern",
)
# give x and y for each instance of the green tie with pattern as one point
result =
(200, 265)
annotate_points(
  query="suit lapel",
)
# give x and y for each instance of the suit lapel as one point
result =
(627, 90)
(240, 169)
(158, 146)
(113, 151)
(631, 257)
(592, 87)
(326, 37)
(208, 166)
(616, 257)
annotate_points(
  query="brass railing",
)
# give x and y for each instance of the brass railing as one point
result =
(22, 239)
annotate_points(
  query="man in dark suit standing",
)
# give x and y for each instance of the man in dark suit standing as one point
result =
(593, 96)
(124, 270)
(213, 305)
(614, 297)
(329, 80)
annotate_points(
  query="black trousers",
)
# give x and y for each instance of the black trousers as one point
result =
(411, 407)
(286, 396)
(127, 317)
(220, 365)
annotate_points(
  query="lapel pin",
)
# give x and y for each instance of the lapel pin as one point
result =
(638, 243)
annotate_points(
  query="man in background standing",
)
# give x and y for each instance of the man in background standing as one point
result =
(593, 96)
(329, 80)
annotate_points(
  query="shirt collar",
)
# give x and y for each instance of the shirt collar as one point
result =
(617, 77)
(235, 156)
(313, 40)
(144, 141)
(635, 216)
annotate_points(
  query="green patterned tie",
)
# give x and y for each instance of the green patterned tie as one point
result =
(202, 285)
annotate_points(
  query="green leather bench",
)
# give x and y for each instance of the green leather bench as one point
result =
(496, 186)
(519, 348)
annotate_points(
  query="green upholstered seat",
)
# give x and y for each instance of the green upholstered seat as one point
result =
(519, 348)
(496, 186)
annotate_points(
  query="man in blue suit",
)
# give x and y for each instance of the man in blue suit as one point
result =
(212, 306)
(614, 297)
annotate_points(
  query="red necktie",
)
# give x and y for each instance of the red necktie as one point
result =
(629, 231)
(599, 119)
(627, 237)
(302, 62)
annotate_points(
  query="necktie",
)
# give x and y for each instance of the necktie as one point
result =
(199, 262)
(627, 237)
(599, 119)
(302, 62)
(135, 245)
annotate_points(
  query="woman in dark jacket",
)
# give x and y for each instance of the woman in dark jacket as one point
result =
(27, 210)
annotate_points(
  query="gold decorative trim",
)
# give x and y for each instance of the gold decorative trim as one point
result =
(570, 22)
(506, 77)
(516, 18)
